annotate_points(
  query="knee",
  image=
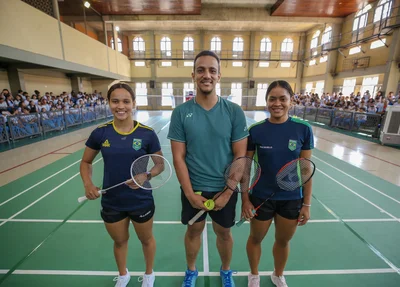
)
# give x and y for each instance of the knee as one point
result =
(119, 243)
(146, 240)
(282, 242)
(225, 235)
(255, 240)
(193, 233)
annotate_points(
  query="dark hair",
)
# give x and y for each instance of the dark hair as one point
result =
(207, 53)
(283, 84)
(121, 86)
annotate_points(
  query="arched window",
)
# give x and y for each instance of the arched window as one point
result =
(361, 18)
(287, 45)
(314, 43)
(138, 44)
(382, 10)
(216, 45)
(166, 50)
(327, 35)
(286, 49)
(265, 48)
(237, 47)
(188, 44)
(188, 47)
(314, 40)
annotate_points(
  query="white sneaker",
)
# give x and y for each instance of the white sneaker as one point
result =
(122, 281)
(253, 280)
(279, 281)
(147, 280)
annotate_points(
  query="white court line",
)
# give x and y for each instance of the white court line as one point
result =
(206, 265)
(165, 126)
(180, 223)
(360, 196)
(367, 185)
(40, 198)
(214, 274)
(47, 178)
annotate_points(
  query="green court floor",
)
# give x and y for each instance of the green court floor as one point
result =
(48, 239)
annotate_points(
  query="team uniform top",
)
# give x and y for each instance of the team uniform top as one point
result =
(274, 146)
(208, 136)
(119, 150)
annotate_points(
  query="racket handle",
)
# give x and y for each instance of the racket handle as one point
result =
(197, 216)
(83, 198)
(241, 221)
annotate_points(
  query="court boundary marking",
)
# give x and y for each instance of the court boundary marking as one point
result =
(211, 274)
(43, 196)
(360, 196)
(36, 184)
(160, 222)
(352, 177)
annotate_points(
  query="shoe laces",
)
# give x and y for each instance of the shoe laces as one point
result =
(119, 280)
(145, 280)
(189, 278)
(227, 277)
(282, 281)
(254, 279)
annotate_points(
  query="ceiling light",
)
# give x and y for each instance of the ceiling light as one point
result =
(117, 28)
(87, 4)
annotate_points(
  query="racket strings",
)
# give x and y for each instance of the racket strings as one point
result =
(157, 165)
(295, 174)
(243, 171)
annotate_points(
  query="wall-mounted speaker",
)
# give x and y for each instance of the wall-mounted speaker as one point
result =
(251, 84)
(152, 84)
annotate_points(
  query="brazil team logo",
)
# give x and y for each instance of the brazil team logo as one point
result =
(137, 144)
(292, 145)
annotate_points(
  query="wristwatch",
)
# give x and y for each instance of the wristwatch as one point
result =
(148, 173)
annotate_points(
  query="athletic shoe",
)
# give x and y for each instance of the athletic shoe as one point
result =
(226, 278)
(190, 278)
(147, 280)
(122, 281)
(279, 281)
(253, 280)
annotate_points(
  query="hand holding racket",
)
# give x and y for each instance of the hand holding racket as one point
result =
(148, 172)
(244, 171)
(290, 177)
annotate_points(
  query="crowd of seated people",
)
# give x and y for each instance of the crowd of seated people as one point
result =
(53, 111)
(349, 111)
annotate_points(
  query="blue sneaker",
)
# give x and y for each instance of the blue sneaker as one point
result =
(190, 278)
(226, 278)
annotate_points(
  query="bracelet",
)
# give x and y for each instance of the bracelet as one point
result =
(308, 205)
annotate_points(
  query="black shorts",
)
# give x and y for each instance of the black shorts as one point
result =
(224, 217)
(140, 216)
(289, 209)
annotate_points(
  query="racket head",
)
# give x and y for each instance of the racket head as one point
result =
(243, 172)
(151, 162)
(295, 174)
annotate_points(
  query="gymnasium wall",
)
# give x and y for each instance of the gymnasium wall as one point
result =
(56, 84)
(41, 41)
(4, 81)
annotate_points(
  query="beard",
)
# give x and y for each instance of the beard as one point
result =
(206, 92)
